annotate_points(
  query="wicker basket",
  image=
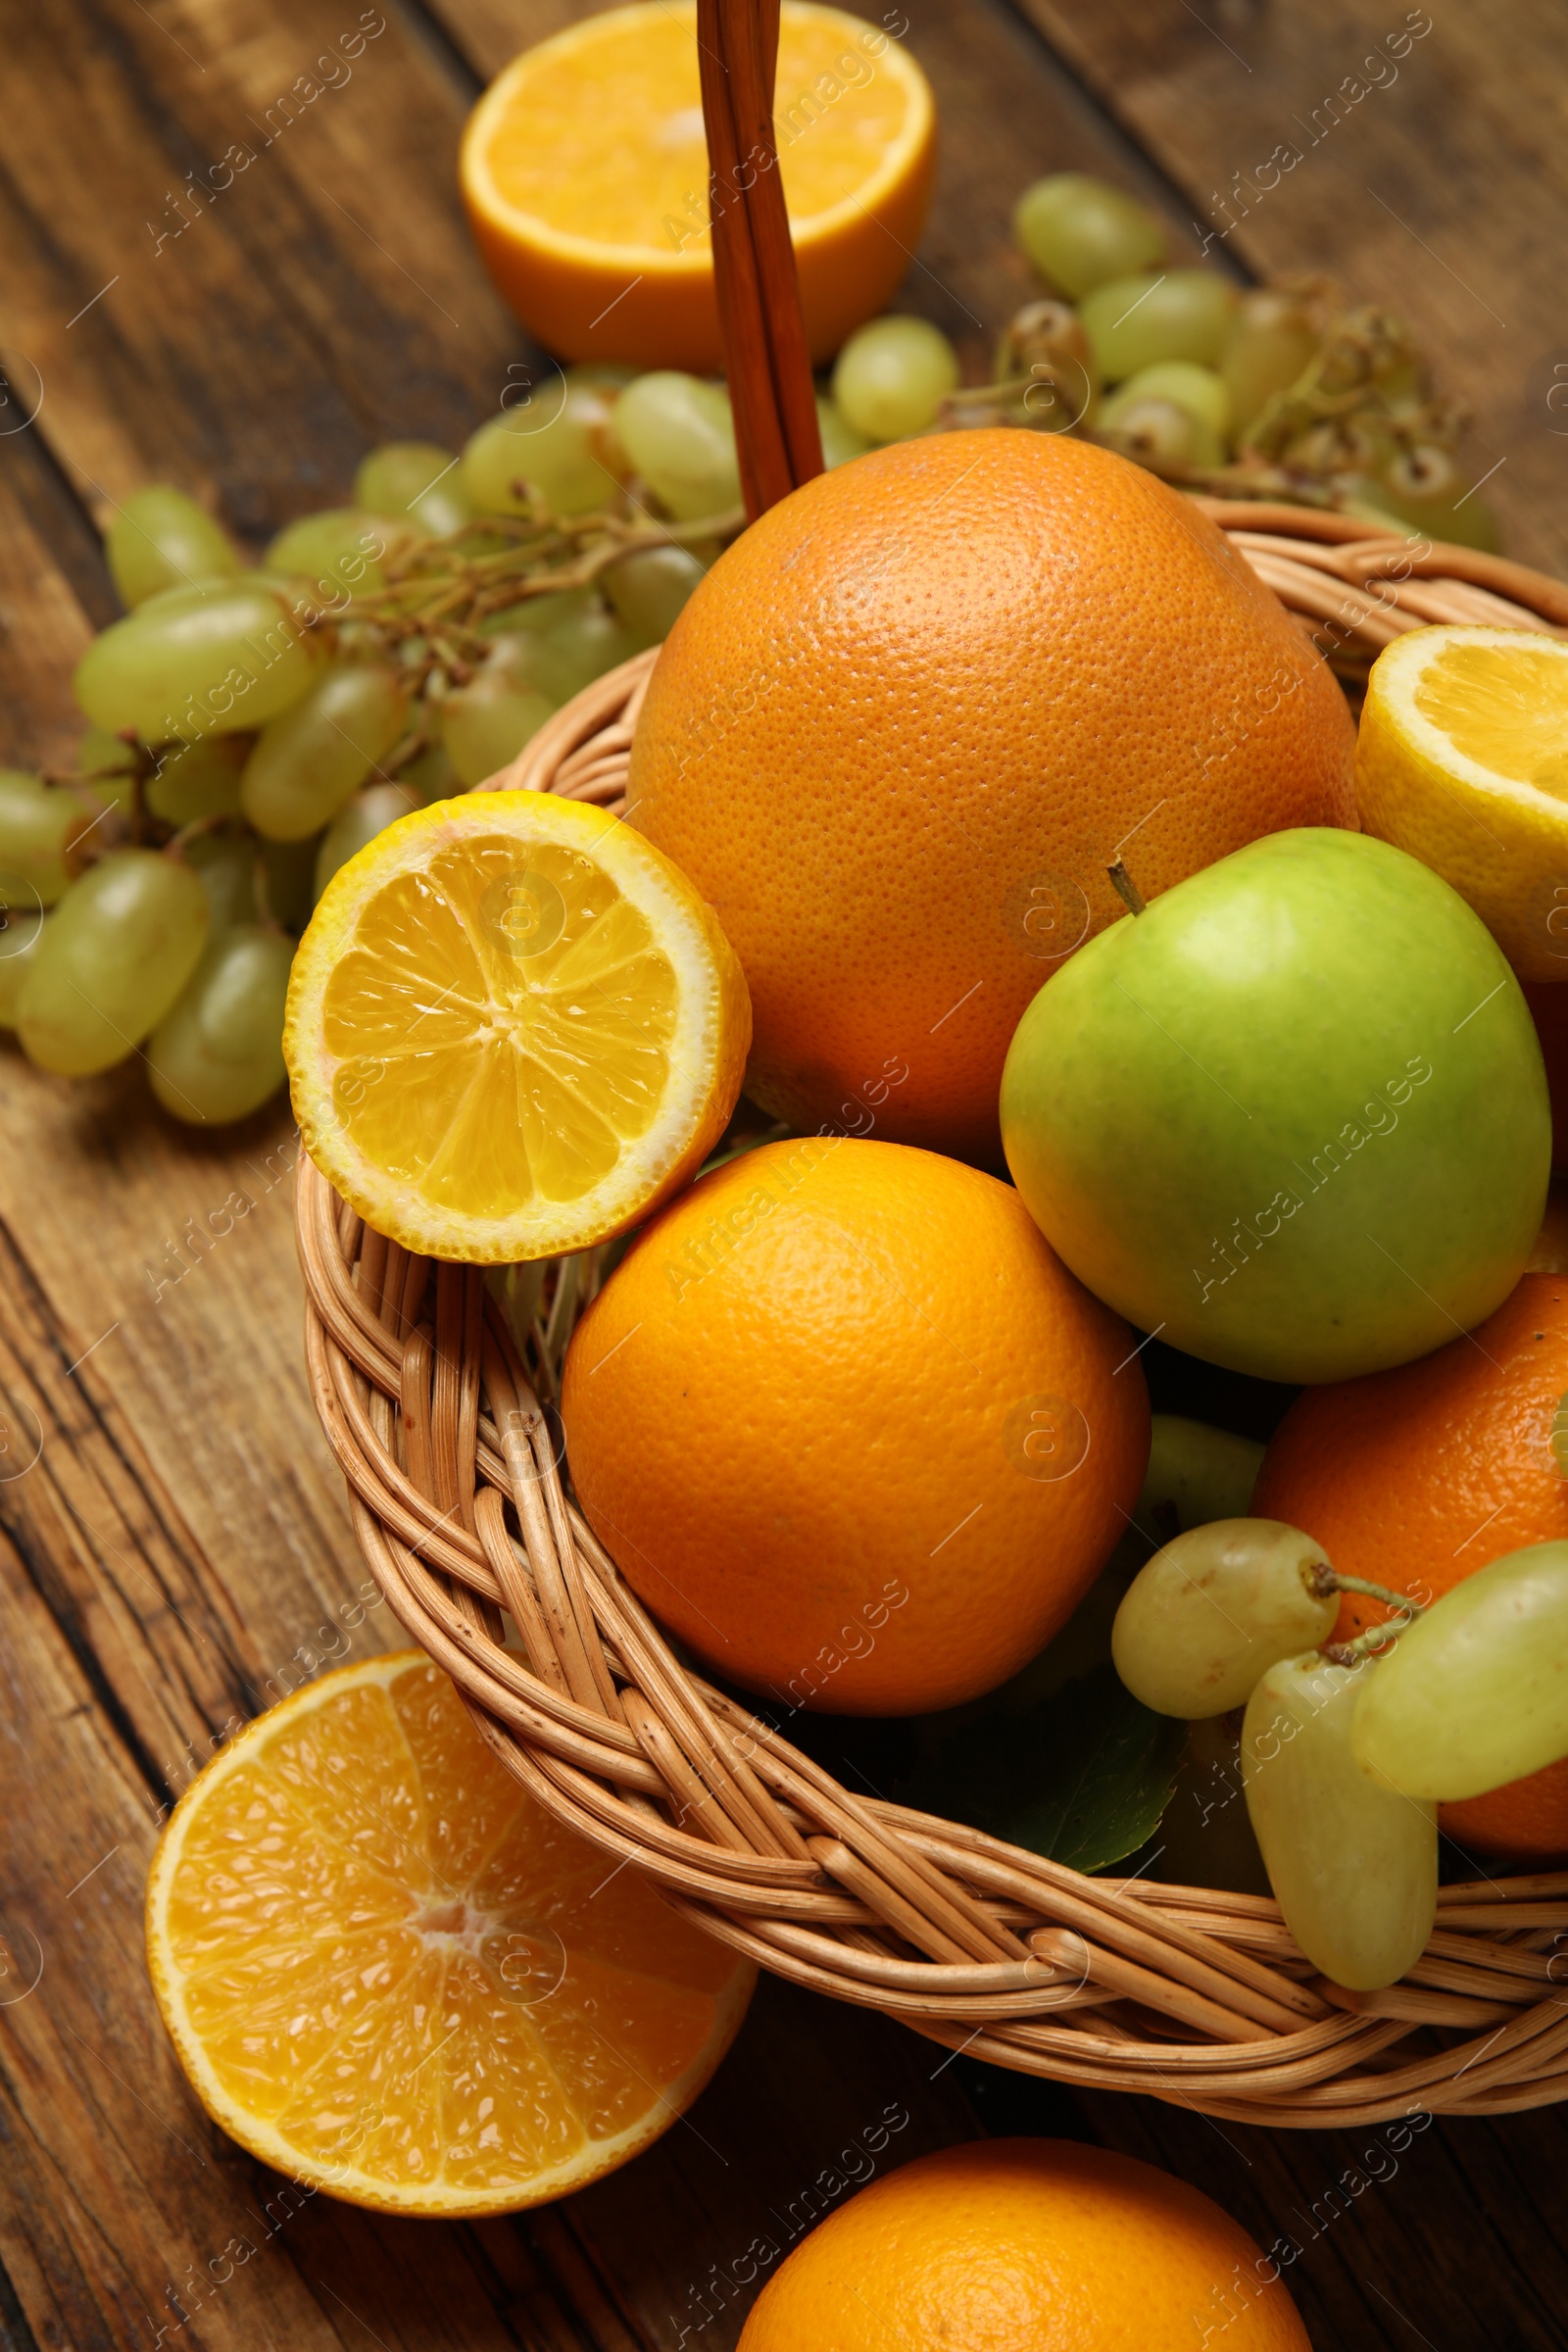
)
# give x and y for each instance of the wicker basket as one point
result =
(1188, 1994)
(459, 1504)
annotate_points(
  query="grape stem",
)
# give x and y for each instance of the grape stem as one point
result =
(1326, 1580)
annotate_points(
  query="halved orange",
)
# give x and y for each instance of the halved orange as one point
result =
(513, 1028)
(388, 1973)
(584, 170)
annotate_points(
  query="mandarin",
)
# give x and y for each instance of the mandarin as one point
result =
(1026, 2245)
(852, 1429)
(1417, 1477)
(908, 720)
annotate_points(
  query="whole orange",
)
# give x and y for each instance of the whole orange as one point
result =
(852, 1429)
(1417, 1477)
(1026, 2245)
(910, 716)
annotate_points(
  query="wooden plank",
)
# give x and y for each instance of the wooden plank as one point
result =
(1441, 190)
(265, 271)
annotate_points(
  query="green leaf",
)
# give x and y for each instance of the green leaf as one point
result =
(1082, 1776)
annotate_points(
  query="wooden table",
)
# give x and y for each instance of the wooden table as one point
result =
(175, 1543)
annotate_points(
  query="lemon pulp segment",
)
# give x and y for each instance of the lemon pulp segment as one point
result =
(1505, 707)
(502, 1022)
(399, 1972)
(838, 112)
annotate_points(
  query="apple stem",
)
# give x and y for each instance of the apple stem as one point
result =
(1126, 889)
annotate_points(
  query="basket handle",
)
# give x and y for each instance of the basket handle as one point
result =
(778, 438)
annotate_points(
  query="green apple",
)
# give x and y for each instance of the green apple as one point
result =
(1293, 1116)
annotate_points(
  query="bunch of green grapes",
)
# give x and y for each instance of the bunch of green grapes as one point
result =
(1269, 392)
(1346, 1750)
(1182, 371)
(250, 729)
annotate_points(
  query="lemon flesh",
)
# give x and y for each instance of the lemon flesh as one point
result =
(513, 1026)
(1462, 760)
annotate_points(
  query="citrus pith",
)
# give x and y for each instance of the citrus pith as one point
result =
(388, 1973)
(906, 722)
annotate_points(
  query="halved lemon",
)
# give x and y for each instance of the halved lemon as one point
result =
(388, 1973)
(584, 170)
(1462, 760)
(513, 1028)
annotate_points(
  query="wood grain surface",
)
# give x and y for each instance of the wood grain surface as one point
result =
(175, 1550)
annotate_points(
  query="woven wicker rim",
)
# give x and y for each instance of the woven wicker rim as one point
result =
(1185, 1994)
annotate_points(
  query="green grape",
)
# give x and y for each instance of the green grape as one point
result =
(1424, 486)
(678, 434)
(106, 766)
(1353, 1866)
(339, 551)
(415, 478)
(121, 945)
(162, 539)
(1158, 434)
(198, 779)
(1270, 344)
(1216, 1607)
(1179, 314)
(198, 662)
(1080, 234)
(536, 657)
(648, 588)
(485, 723)
(558, 445)
(541, 614)
(585, 644)
(38, 823)
(1475, 1693)
(218, 1054)
(225, 862)
(369, 813)
(305, 763)
(22, 929)
(892, 377)
(1198, 390)
(1195, 1474)
(840, 440)
(430, 775)
(288, 880)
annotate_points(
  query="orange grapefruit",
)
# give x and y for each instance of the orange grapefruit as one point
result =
(909, 719)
